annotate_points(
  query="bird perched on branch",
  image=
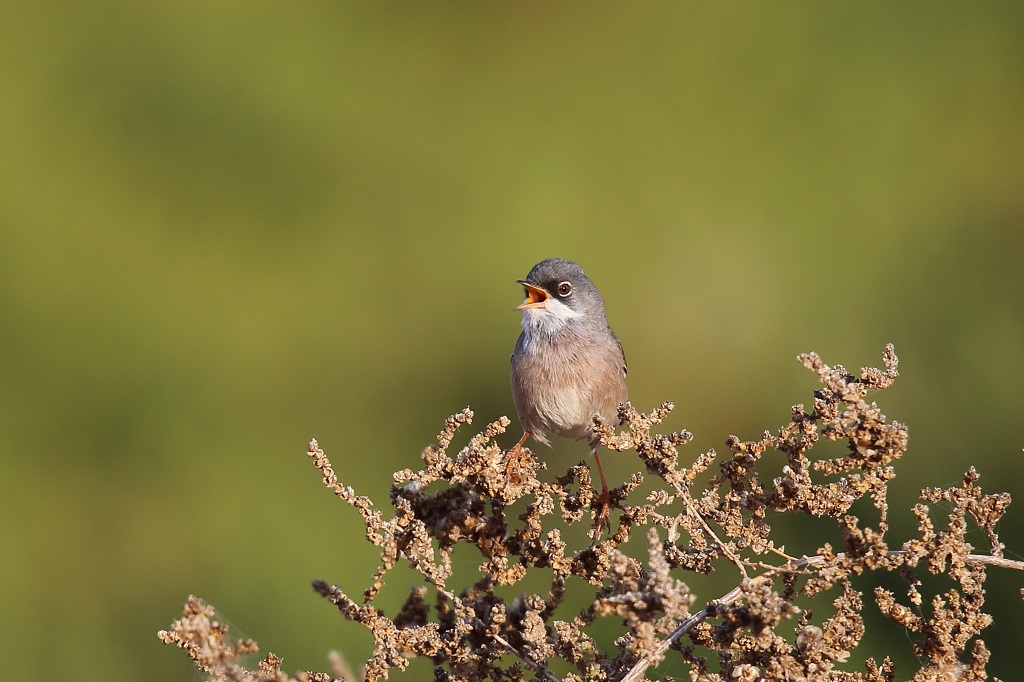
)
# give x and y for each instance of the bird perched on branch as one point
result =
(568, 364)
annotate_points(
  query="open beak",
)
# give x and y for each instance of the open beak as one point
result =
(535, 296)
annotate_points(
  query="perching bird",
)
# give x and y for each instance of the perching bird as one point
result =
(568, 365)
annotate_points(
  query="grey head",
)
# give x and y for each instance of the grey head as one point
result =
(560, 297)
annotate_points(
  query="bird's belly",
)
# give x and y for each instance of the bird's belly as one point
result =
(561, 396)
(566, 412)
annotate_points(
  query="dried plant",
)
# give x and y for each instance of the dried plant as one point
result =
(757, 631)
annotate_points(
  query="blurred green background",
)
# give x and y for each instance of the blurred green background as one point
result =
(226, 228)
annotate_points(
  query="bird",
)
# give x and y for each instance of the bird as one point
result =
(568, 365)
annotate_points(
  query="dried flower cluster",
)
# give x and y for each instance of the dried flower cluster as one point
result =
(755, 632)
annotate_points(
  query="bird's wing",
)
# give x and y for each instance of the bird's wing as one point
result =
(621, 352)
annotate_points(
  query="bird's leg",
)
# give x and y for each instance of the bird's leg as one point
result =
(604, 500)
(526, 434)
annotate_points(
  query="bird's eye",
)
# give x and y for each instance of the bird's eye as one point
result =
(564, 289)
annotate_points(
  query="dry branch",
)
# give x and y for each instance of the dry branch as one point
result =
(757, 631)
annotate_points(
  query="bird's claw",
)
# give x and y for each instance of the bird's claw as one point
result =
(602, 521)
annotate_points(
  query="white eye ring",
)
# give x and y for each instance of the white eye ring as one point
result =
(564, 289)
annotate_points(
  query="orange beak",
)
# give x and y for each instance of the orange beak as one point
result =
(535, 296)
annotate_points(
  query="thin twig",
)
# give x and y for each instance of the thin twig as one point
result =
(539, 669)
(688, 501)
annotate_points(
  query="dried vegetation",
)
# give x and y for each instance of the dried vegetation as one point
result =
(757, 631)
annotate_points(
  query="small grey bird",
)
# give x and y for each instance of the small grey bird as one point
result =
(568, 364)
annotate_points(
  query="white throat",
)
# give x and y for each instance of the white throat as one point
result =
(554, 317)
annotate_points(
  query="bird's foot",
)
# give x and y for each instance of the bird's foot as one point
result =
(518, 446)
(603, 521)
(519, 464)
